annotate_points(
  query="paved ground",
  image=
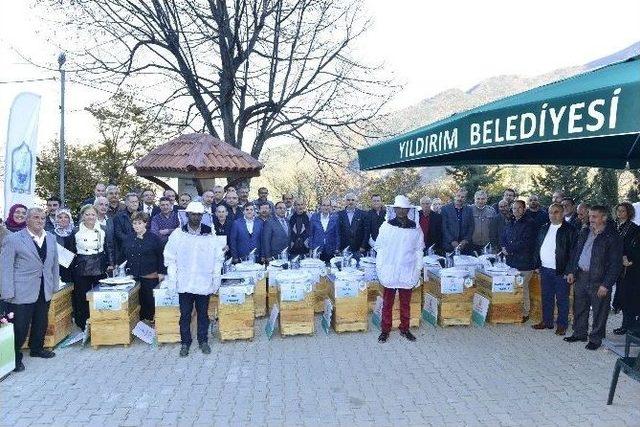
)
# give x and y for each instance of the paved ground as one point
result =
(504, 375)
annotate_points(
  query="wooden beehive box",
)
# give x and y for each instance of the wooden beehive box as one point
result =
(113, 326)
(296, 305)
(453, 308)
(273, 292)
(259, 275)
(167, 316)
(504, 307)
(350, 305)
(59, 317)
(321, 292)
(236, 312)
(415, 308)
(318, 269)
(535, 298)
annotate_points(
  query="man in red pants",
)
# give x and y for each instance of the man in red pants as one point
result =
(398, 263)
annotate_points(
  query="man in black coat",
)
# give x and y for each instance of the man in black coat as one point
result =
(122, 225)
(596, 263)
(375, 218)
(352, 227)
(553, 251)
(431, 224)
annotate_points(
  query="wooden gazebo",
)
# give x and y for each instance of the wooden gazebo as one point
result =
(197, 157)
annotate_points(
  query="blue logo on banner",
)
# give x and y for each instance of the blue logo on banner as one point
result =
(21, 167)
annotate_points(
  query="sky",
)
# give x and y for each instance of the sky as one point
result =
(428, 46)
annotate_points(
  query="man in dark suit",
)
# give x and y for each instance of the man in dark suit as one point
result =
(246, 235)
(431, 224)
(275, 234)
(375, 218)
(148, 204)
(570, 214)
(352, 227)
(100, 190)
(457, 224)
(323, 231)
(53, 204)
(29, 275)
(122, 226)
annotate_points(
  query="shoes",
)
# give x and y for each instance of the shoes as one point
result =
(561, 331)
(524, 319)
(184, 350)
(205, 348)
(620, 331)
(592, 346)
(19, 367)
(539, 326)
(45, 354)
(408, 335)
(574, 339)
(383, 337)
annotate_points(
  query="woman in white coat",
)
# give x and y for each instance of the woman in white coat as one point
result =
(398, 263)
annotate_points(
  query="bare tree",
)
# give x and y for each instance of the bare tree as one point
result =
(246, 71)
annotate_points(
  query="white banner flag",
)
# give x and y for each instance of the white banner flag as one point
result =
(22, 148)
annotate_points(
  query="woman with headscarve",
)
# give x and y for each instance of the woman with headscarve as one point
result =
(17, 218)
(63, 230)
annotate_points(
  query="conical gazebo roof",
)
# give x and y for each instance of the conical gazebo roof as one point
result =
(198, 155)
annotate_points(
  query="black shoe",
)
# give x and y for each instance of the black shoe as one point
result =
(525, 319)
(19, 367)
(205, 348)
(383, 337)
(592, 346)
(45, 354)
(620, 331)
(575, 339)
(184, 350)
(408, 335)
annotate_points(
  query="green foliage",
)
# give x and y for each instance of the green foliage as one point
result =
(572, 180)
(127, 132)
(404, 181)
(605, 187)
(80, 173)
(474, 178)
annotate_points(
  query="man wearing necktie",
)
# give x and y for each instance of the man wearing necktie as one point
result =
(275, 235)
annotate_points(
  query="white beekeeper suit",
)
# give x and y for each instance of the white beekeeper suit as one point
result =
(194, 262)
(399, 253)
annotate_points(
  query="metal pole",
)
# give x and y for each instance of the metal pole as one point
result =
(61, 61)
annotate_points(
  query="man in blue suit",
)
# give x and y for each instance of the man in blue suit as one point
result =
(246, 235)
(352, 227)
(457, 224)
(323, 231)
(276, 233)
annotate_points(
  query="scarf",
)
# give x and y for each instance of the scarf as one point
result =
(12, 225)
(64, 232)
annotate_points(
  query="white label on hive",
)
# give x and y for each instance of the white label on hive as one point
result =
(347, 289)
(165, 298)
(452, 285)
(232, 294)
(502, 284)
(111, 301)
(291, 292)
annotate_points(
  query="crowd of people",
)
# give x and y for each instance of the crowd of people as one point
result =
(590, 248)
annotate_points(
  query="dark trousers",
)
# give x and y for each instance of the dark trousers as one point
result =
(82, 285)
(555, 290)
(187, 301)
(34, 315)
(388, 297)
(629, 318)
(585, 297)
(147, 303)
